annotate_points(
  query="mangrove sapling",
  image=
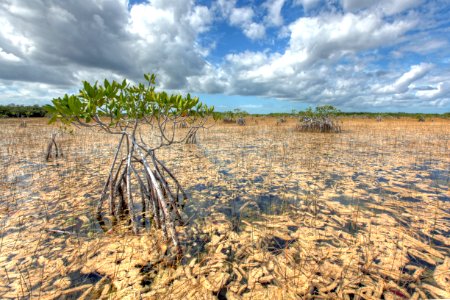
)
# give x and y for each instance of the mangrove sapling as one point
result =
(131, 111)
(23, 124)
(240, 121)
(281, 120)
(53, 145)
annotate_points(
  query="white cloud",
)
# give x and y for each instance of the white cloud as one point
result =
(274, 16)
(254, 31)
(201, 18)
(401, 85)
(388, 7)
(226, 6)
(425, 45)
(247, 59)
(26, 93)
(322, 64)
(241, 15)
(251, 106)
(151, 28)
(167, 40)
(441, 90)
(21, 44)
(8, 56)
(328, 36)
(307, 4)
(353, 5)
(54, 42)
(330, 56)
(316, 39)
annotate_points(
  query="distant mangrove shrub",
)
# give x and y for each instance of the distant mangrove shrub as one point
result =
(240, 116)
(322, 119)
(228, 117)
(236, 116)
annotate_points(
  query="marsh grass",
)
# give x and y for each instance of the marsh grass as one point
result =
(274, 213)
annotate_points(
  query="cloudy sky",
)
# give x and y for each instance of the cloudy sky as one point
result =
(258, 55)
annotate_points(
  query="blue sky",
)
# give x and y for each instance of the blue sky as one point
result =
(257, 55)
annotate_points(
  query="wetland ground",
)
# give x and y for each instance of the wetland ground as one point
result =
(273, 212)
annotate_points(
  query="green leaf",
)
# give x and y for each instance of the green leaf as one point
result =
(72, 105)
(122, 101)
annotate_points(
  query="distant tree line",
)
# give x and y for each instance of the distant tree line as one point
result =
(21, 111)
(36, 111)
(373, 115)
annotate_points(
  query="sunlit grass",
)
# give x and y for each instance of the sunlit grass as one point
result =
(273, 213)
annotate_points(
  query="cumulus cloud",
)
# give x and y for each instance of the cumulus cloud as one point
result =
(330, 59)
(307, 4)
(328, 36)
(8, 56)
(424, 45)
(274, 16)
(226, 6)
(53, 41)
(242, 17)
(255, 31)
(441, 90)
(388, 7)
(355, 55)
(28, 93)
(165, 34)
(353, 5)
(316, 45)
(401, 85)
